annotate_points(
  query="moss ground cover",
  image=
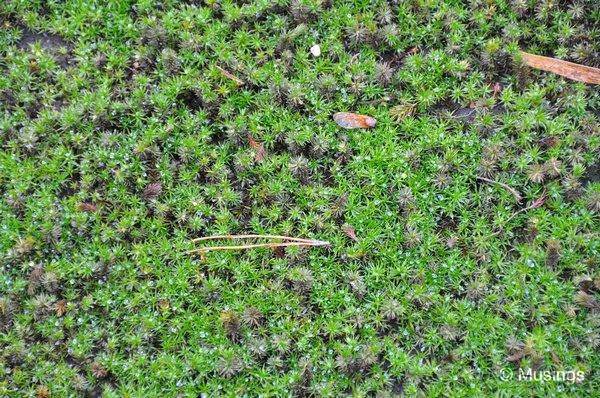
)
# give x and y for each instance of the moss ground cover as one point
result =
(127, 128)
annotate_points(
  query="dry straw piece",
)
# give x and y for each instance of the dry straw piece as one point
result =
(509, 189)
(291, 242)
(230, 76)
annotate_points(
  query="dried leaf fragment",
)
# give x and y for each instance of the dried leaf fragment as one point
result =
(515, 357)
(257, 147)
(35, 279)
(570, 70)
(350, 120)
(87, 207)
(152, 190)
(349, 232)
(60, 307)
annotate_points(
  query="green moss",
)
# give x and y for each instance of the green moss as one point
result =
(122, 139)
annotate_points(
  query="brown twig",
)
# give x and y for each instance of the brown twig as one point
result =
(230, 76)
(509, 189)
(293, 242)
(536, 204)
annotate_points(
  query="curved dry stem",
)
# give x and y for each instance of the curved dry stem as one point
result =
(282, 244)
(513, 191)
(254, 237)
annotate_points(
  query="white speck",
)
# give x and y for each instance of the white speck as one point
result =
(315, 50)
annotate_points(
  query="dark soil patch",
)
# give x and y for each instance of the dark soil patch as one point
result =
(60, 104)
(50, 42)
(191, 99)
(592, 175)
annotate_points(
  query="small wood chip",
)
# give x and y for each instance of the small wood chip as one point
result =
(570, 70)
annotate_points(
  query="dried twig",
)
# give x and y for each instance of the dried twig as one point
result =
(292, 242)
(253, 237)
(536, 204)
(282, 244)
(230, 76)
(540, 201)
(354, 58)
(509, 189)
(570, 70)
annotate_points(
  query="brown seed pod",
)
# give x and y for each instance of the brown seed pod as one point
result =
(349, 120)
